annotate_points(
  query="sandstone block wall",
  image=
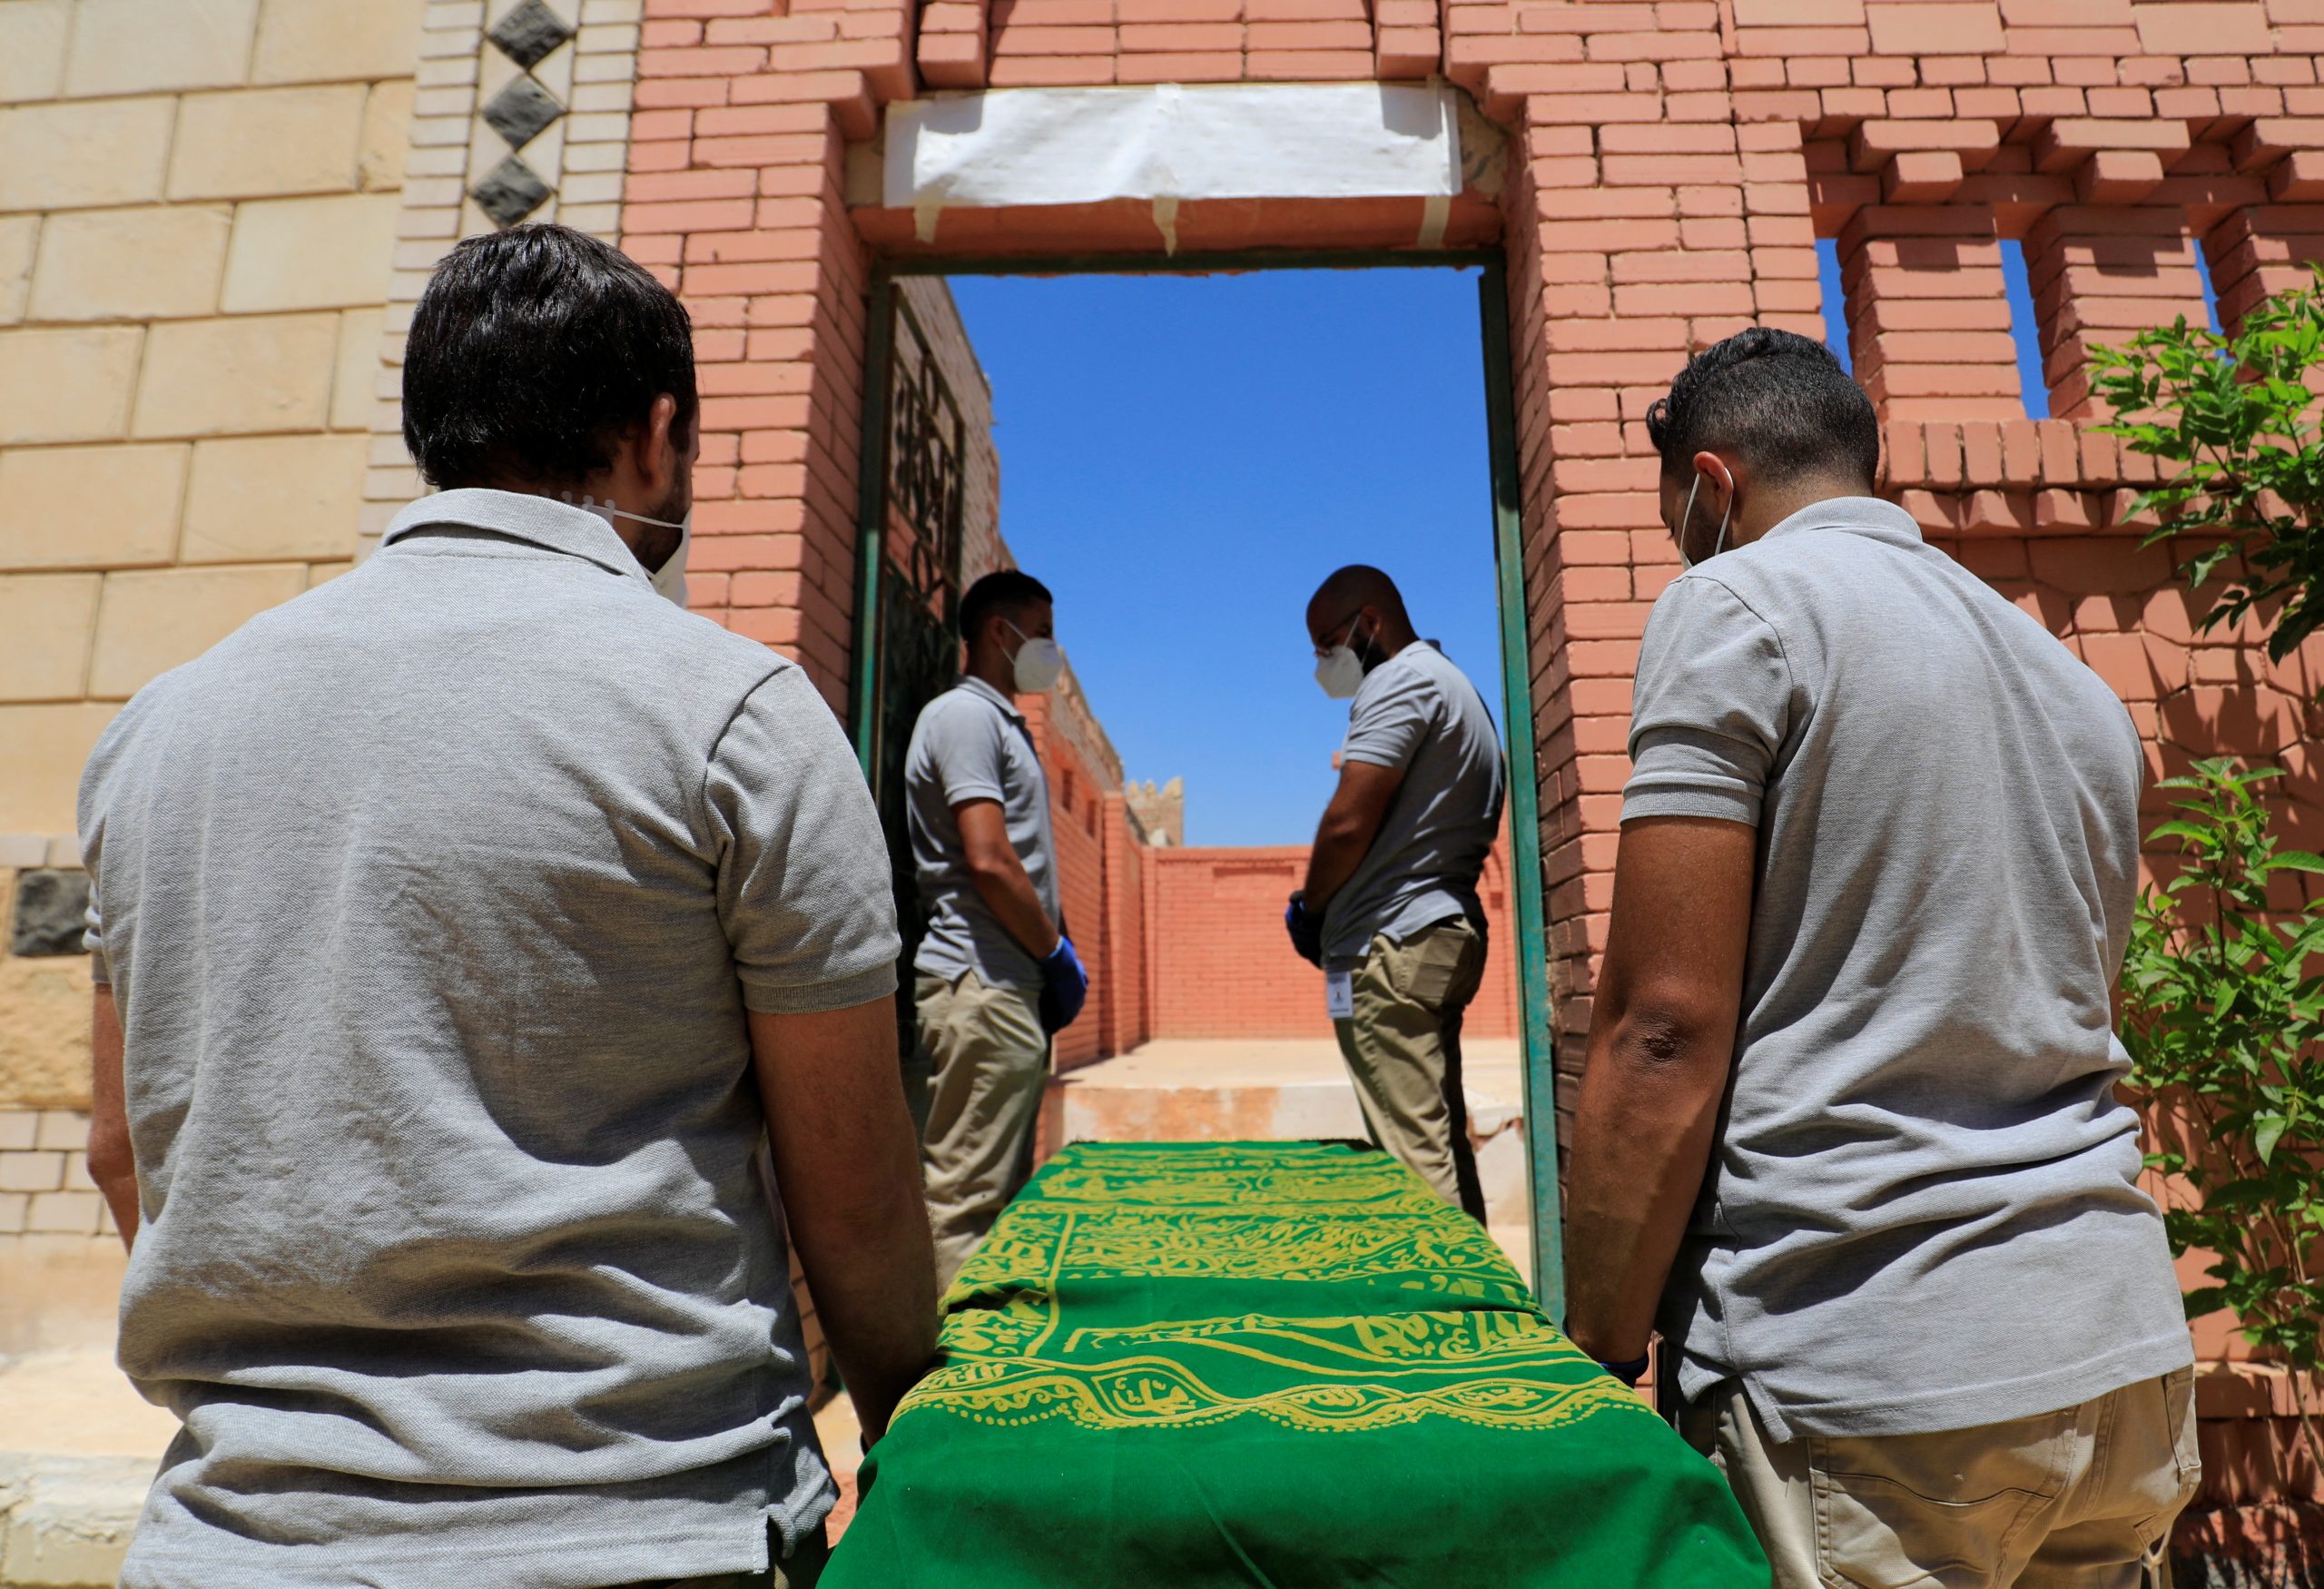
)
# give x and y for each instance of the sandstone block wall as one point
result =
(198, 204)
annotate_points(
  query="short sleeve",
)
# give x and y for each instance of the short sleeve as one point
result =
(965, 748)
(1392, 714)
(93, 937)
(1710, 710)
(804, 887)
(89, 822)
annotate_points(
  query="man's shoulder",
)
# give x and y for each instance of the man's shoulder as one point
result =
(960, 708)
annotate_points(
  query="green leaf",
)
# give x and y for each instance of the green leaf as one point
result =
(2205, 1300)
(2267, 1133)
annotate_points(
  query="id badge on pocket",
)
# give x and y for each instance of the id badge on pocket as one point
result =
(1339, 994)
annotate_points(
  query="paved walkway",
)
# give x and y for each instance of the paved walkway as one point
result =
(1184, 1090)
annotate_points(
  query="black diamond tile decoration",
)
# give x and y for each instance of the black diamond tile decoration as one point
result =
(51, 906)
(510, 192)
(519, 112)
(529, 32)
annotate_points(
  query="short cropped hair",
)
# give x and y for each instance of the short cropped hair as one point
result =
(532, 352)
(1778, 400)
(1007, 591)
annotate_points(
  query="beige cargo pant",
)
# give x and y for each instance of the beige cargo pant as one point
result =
(2082, 1498)
(990, 1060)
(1403, 1047)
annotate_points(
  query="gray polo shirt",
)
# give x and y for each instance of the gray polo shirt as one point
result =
(1923, 1210)
(1418, 712)
(971, 743)
(433, 900)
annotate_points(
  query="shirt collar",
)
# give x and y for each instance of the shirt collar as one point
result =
(1872, 516)
(976, 686)
(539, 521)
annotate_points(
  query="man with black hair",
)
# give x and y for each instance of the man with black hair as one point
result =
(466, 929)
(997, 974)
(1848, 1132)
(1389, 906)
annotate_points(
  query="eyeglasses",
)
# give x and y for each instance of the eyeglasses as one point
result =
(1322, 651)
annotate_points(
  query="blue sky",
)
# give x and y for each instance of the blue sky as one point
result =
(1183, 458)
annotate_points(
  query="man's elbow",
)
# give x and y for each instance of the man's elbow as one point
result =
(1345, 828)
(111, 1163)
(988, 870)
(1674, 1038)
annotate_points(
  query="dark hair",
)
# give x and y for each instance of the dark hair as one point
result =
(1776, 400)
(531, 352)
(1007, 591)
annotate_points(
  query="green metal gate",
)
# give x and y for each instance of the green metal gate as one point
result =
(907, 638)
(906, 644)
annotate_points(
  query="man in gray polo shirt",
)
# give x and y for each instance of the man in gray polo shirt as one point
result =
(1848, 1131)
(995, 974)
(1389, 906)
(468, 927)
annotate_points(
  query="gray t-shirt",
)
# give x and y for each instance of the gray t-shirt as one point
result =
(1923, 1210)
(432, 901)
(971, 743)
(1418, 712)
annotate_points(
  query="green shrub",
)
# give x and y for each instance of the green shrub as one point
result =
(2222, 1013)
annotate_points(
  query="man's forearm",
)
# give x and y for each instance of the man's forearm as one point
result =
(875, 1296)
(1008, 892)
(1339, 849)
(112, 1164)
(847, 1165)
(1642, 1139)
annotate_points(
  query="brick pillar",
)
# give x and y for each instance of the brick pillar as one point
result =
(1643, 222)
(2258, 251)
(2101, 275)
(1929, 314)
(735, 198)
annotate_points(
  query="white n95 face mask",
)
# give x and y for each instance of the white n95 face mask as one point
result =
(1341, 673)
(1687, 519)
(669, 580)
(1039, 661)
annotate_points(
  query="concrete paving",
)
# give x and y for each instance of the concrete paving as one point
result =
(1183, 1090)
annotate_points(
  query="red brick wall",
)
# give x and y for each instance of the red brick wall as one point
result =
(1223, 968)
(1078, 821)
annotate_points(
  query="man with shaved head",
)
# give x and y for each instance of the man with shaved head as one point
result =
(1389, 909)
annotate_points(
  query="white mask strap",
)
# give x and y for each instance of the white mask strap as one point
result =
(590, 504)
(1687, 520)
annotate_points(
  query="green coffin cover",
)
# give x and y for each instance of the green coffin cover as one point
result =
(1270, 1363)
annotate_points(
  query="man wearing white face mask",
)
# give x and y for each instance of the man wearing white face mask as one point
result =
(1389, 908)
(499, 973)
(997, 974)
(1848, 1133)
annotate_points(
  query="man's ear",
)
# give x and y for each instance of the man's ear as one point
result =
(659, 445)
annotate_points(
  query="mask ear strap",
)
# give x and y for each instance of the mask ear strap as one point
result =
(1721, 543)
(1687, 522)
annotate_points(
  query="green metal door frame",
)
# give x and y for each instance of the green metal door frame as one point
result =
(1509, 561)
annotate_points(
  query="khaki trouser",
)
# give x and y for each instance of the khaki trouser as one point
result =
(800, 1570)
(1403, 1047)
(2082, 1498)
(991, 1060)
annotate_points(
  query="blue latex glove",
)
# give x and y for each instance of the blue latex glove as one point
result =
(1065, 986)
(1306, 931)
(1629, 1373)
